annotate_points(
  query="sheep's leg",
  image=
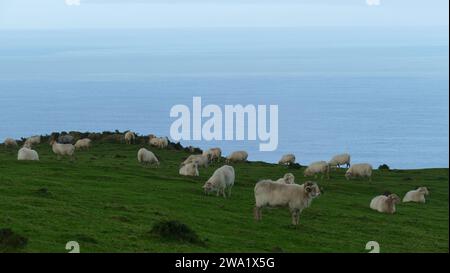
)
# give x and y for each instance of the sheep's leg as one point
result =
(257, 212)
(223, 192)
(294, 217)
(229, 191)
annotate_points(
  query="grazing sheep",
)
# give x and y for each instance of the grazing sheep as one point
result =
(62, 149)
(130, 137)
(288, 159)
(359, 170)
(319, 167)
(145, 157)
(416, 195)
(200, 160)
(338, 160)
(84, 143)
(288, 178)
(27, 154)
(9, 142)
(239, 156)
(190, 169)
(385, 204)
(159, 142)
(213, 154)
(221, 180)
(65, 139)
(32, 141)
(296, 197)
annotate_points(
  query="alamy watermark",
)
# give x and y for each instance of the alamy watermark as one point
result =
(234, 122)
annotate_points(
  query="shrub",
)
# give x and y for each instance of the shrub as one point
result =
(384, 167)
(176, 231)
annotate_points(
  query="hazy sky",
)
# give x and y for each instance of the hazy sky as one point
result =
(44, 14)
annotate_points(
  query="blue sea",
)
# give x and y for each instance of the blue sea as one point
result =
(380, 94)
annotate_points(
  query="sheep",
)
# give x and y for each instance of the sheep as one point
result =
(9, 142)
(65, 139)
(213, 154)
(416, 195)
(129, 137)
(221, 180)
(84, 143)
(190, 169)
(62, 149)
(319, 167)
(32, 141)
(159, 142)
(200, 160)
(359, 170)
(27, 154)
(385, 204)
(239, 156)
(288, 178)
(146, 157)
(296, 197)
(288, 159)
(338, 160)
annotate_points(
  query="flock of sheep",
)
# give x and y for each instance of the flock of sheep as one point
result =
(268, 193)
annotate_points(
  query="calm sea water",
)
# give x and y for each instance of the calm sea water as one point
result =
(379, 94)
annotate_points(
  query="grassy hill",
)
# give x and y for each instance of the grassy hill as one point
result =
(109, 203)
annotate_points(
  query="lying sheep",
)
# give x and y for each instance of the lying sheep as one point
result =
(385, 204)
(129, 137)
(9, 142)
(159, 142)
(65, 139)
(288, 159)
(147, 157)
(319, 167)
(34, 140)
(62, 150)
(200, 160)
(359, 170)
(82, 144)
(295, 197)
(416, 195)
(221, 180)
(288, 178)
(27, 154)
(190, 169)
(239, 156)
(338, 160)
(213, 154)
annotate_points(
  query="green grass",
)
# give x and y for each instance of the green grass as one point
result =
(108, 203)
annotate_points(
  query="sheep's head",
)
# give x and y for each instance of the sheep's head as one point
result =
(289, 178)
(208, 187)
(348, 175)
(394, 198)
(151, 136)
(312, 189)
(424, 190)
(307, 173)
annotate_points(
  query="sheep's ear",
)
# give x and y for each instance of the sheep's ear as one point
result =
(308, 189)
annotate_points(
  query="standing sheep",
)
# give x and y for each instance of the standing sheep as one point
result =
(288, 159)
(62, 150)
(34, 140)
(238, 156)
(190, 169)
(359, 170)
(84, 143)
(288, 178)
(221, 180)
(319, 167)
(213, 154)
(129, 137)
(417, 196)
(159, 142)
(338, 160)
(296, 197)
(65, 139)
(9, 142)
(145, 157)
(200, 160)
(385, 204)
(27, 154)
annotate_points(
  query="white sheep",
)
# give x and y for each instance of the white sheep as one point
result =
(416, 195)
(359, 170)
(62, 149)
(338, 160)
(319, 167)
(9, 142)
(159, 142)
(221, 180)
(288, 178)
(129, 137)
(238, 156)
(27, 154)
(200, 160)
(287, 159)
(145, 157)
(34, 140)
(385, 204)
(190, 169)
(84, 143)
(213, 154)
(295, 197)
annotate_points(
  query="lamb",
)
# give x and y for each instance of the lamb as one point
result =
(288, 159)
(288, 178)
(239, 156)
(27, 154)
(385, 204)
(129, 137)
(159, 142)
(190, 169)
(319, 167)
(145, 157)
(32, 141)
(416, 195)
(65, 139)
(84, 143)
(359, 170)
(62, 149)
(213, 154)
(295, 197)
(9, 142)
(200, 160)
(338, 160)
(221, 180)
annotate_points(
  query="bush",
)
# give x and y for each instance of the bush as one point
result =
(176, 231)
(384, 167)
(9, 240)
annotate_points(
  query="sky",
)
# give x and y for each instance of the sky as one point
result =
(116, 14)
